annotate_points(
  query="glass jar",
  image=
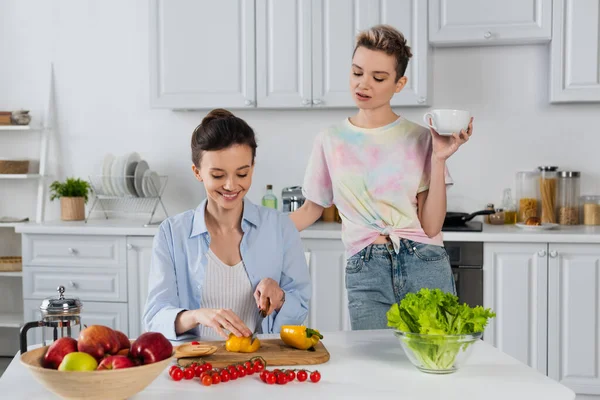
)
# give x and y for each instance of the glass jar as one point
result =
(498, 217)
(527, 194)
(568, 197)
(510, 210)
(590, 210)
(548, 192)
(488, 207)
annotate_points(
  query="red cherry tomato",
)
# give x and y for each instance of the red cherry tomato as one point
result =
(234, 374)
(263, 375)
(206, 380)
(258, 366)
(207, 366)
(291, 375)
(197, 370)
(302, 375)
(173, 368)
(195, 343)
(177, 375)
(225, 376)
(189, 373)
(216, 378)
(231, 368)
(242, 371)
(315, 376)
(270, 378)
(282, 379)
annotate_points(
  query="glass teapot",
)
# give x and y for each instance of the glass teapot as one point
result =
(60, 317)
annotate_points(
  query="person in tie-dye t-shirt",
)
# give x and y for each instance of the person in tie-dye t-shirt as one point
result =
(387, 176)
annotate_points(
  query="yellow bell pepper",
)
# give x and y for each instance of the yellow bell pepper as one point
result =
(242, 344)
(299, 336)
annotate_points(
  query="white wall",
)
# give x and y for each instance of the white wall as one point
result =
(100, 53)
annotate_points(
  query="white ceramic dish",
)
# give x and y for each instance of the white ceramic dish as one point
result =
(151, 184)
(543, 227)
(115, 176)
(106, 172)
(127, 171)
(138, 182)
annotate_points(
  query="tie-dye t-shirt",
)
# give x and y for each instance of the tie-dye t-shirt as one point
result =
(373, 177)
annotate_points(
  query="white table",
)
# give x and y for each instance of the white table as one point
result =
(364, 364)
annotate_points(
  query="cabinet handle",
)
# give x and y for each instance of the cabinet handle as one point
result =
(421, 100)
(130, 246)
(487, 35)
(249, 103)
(553, 253)
(72, 250)
(542, 253)
(305, 102)
(317, 102)
(72, 284)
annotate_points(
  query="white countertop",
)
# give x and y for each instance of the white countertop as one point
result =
(325, 230)
(363, 364)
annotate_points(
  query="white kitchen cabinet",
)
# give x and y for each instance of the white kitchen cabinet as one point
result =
(283, 53)
(574, 316)
(139, 256)
(113, 315)
(202, 54)
(515, 287)
(489, 22)
(335, 25)
(575, 52)
(329, 303)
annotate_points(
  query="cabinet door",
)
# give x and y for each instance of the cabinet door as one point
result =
(113, 315)
(202, 54)
(515, 277)
(488, 22)
(139, 256)
(574, 316)
(575, 51)
(335, 26)
(329, 303)
(283, 53)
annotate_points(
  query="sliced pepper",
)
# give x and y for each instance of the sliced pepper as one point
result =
(242, 344)
(299, 336)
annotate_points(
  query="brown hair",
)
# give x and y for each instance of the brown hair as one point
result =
(219, 130)
(389, 40)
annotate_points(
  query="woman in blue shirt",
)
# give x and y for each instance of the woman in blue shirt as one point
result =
(228, 263)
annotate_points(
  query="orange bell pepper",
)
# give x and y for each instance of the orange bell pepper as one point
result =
(299, 336)
(242, 344)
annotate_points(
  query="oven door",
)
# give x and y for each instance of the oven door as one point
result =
(469, 285)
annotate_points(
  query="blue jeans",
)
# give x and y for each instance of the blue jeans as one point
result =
(377, 277)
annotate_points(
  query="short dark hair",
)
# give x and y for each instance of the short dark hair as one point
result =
(388, 39)
(219, 130)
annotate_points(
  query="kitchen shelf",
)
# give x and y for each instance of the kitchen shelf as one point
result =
(11, 320)
(20, 176)
(15, 274)
(20, 128)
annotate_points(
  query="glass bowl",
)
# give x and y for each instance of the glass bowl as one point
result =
(437, 354)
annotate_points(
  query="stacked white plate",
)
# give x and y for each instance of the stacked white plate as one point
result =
(128, 175)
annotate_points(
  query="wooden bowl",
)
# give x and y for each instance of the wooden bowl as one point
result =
(105, 384)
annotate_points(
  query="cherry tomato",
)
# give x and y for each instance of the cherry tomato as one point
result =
(203, 374)
(291, 375)
(282, 379)
(194, 342)
(277, 371)
(242, 371)
(258, 366)
(197, 370)
(249, 368)
(177, 375)
(207, 366)
(263, 375)
(189, 373)
(216, 378)
(315, 376)
(206, 380)
(231, 368)
(302, 375)
(234, 374)
(270, 378)
(225, 376)
(247, 365)
(173, 368)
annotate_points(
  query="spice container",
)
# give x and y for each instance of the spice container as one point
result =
(498, 217)
(548, 192)
(568, 197)
(510, 210)
(591, 210)
(489, 207)
(527, 194)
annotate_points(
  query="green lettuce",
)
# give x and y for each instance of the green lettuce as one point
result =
(433, 312)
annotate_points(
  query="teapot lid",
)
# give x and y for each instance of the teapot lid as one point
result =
(61, 305)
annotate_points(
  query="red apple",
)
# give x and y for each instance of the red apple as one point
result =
(124, 342)
(115, 362)
(57, 351)
(151, 347)
(98, 341)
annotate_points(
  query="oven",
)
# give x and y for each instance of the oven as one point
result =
(466, 259)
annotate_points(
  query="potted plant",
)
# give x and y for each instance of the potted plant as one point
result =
(73, 194)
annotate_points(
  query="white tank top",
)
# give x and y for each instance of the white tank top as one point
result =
(228, 287)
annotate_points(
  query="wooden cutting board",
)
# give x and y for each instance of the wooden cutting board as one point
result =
(274, 351)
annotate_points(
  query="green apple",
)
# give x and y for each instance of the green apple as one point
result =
(78, 361)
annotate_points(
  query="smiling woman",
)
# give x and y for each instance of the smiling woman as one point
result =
(228, 265)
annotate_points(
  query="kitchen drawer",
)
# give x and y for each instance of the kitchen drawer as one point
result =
(113, 315)
(99, 284)
(72, 250)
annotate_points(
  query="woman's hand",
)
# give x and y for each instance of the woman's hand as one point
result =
(219, 319)
(269, 296)
(445, 146)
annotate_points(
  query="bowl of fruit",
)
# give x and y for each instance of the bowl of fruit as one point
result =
(436, 332)
(101, 364)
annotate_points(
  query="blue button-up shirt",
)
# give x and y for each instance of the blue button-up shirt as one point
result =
(270, 248)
